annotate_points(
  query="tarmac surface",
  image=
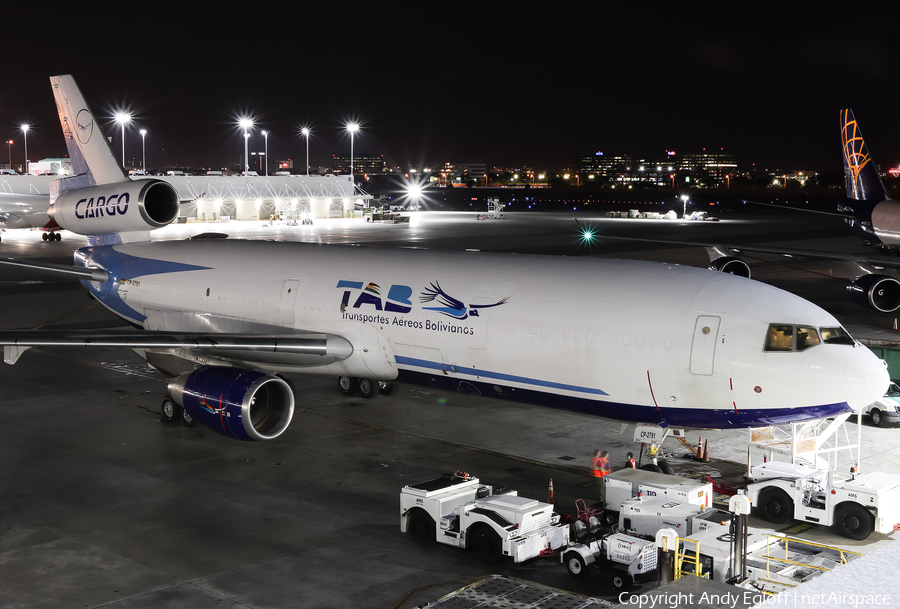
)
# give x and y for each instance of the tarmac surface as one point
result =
(104, 505)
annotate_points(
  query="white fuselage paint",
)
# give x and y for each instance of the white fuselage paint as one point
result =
(629, 339)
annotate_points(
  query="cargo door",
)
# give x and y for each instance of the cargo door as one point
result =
(703, 345)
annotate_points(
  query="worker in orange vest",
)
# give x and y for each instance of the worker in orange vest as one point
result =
(630, 462)
(599, 469)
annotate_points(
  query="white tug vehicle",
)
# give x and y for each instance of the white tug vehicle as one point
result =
(458, 510)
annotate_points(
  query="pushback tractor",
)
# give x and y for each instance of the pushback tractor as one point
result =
(458, 510)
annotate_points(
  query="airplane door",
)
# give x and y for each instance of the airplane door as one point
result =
(154, 321)
(703, 346)
(288, 301)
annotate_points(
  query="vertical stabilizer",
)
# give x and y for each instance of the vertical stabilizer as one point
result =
(860, 173)
(93, 161)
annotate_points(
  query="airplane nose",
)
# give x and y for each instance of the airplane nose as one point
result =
(865, 379)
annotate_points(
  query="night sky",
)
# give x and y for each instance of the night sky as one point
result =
(497, 82)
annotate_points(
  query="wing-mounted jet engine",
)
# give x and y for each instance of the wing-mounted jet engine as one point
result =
(878, 292)
(723, 260)
(235, 402)
(870, 287)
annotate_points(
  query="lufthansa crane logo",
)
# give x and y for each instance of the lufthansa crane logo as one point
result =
(84, 126)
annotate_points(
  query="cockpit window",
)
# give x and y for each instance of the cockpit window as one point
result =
(780, 337)
(836, 336)
(806, 337)
(786, 337)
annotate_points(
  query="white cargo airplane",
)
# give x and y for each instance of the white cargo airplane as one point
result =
(630, 340)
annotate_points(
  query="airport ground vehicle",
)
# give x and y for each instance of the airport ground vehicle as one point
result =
(645, 516)
(773, 563)
(701, 216)
(855, 506)
(458, 510)
(383, 214)
(629, 559)
(885, 411)
(626, 484)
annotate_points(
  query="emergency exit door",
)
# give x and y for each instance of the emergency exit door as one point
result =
(703, 345)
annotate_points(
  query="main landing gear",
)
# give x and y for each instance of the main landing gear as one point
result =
(172, 412)
(51, 236)
(349, 385)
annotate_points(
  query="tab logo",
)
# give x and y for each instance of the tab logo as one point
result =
(399, 299)
(451, 306)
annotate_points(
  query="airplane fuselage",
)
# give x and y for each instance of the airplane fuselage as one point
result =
(631, 340)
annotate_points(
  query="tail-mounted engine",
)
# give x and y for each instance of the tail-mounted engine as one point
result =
(236, 402)
(878, 292)
(731, 265)
(113, 208)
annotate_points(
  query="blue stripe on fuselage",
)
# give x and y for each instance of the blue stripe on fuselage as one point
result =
(477, 372)
(703, 418)
(122, 267)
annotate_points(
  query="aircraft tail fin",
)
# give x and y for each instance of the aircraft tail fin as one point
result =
(860, 172)
(93, 161)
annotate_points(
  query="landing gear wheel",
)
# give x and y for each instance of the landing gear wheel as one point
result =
(776, 506)
(170, 410)
(421, 527)
(57, 237)
(365, 387)
(385, 387)
(665, 467)
(853, 521)
(877, 418)
(649, 467)
(346, 385)
(186, 418)
(575, 565)
(487, 546)
(45, 237)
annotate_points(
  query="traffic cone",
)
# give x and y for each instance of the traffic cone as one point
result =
(895, 323)
(550, 498)
(699, 455)
(706, 452)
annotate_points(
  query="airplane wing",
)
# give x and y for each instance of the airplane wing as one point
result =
(314, 348)
(803, 209)
(75, 272)
(297, 348)
(725, 249)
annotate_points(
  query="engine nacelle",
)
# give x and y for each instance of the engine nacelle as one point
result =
(112, 208)
(236, 402)
(878, 292)
(731, 265)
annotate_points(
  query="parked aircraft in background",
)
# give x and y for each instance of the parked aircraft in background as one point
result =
(868, 210)
(27, 211)
(630, 340)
